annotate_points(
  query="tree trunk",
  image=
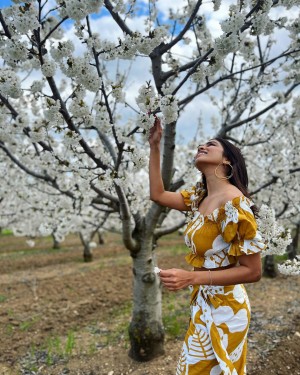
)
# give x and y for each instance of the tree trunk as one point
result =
(87, 251)
(270, 266)
(292, 248)
(56, 244)
(146, 330)
(100, 238)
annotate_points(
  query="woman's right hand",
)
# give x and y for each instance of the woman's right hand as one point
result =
(155, 133)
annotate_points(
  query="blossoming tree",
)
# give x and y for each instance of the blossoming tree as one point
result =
(68, 121)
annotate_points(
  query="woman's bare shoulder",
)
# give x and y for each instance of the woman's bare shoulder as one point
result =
(231, 193)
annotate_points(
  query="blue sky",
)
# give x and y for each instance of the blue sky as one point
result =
(5, 3)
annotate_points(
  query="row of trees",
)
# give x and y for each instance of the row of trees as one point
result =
(76, 108)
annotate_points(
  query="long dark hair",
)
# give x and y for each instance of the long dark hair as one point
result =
(239, 173)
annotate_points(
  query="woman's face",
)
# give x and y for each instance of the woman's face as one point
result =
(209, 153)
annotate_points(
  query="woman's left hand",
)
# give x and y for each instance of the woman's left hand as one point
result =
(175, 279)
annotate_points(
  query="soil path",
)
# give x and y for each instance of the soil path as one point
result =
(60, 316)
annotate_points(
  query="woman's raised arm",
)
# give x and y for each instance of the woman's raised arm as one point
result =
(157, 190)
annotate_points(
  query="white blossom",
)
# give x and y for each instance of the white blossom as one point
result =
(79, 108)
(10, 84)
(37, 86)
(63, 49)
(234, 23)
(48, 68)
(169, 108)
(145, 121)
(16, 49)
(290, 267)
(22, 18)
(76, 9)
(226, 44)
(274, 235)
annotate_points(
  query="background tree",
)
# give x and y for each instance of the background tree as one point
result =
(68, 118)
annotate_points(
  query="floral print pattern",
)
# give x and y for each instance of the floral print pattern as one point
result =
(216, 339)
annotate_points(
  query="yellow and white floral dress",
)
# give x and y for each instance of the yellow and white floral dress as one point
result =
(216, 339)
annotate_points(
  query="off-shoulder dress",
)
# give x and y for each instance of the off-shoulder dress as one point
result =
(216, 339)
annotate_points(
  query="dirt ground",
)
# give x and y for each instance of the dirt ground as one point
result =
(60, 316)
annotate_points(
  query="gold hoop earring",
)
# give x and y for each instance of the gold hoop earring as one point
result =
(224, 177)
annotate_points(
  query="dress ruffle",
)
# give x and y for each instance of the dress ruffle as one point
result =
(248, 247)
(194, 260)
(238, 227)
(193, 196)
(234, 224)
(186, 194)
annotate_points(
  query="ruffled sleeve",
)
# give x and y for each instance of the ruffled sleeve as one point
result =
(238, 227)
(188, 196)
(193, 196)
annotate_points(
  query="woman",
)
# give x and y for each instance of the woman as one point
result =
(224, 247)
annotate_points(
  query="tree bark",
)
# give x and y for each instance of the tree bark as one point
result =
(270, 266)
(292, 248)
(146, 330)
(100, 238)
(87, 251)
(56, 244)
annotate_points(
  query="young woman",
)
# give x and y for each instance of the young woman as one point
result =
(225, 251)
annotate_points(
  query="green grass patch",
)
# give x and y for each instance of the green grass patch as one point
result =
(2, 298)
(28, 324)
(281, 258)
(6, 232)
(9, 329)
(58, 349)
(179, 249)
(38, 251)
(70, 343)
(176, 312)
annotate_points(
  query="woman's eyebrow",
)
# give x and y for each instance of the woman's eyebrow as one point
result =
(213, 142)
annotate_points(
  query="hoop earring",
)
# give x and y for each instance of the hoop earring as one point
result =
(224, 177)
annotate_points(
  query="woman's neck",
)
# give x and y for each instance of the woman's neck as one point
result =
(215, 185)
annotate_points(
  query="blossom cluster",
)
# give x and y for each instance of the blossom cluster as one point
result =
(21, 19)
(79, 69)
(78, 9)
(149, 102)
(128, 46)
(275, 235)
(10, 84)
(290, 267)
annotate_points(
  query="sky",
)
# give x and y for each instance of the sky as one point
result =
(140, 70)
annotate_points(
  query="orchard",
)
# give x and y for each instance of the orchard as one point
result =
(80, 85)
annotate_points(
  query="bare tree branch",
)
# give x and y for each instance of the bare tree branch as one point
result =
(5, 27)
(117, 17)
(52, 30)
(227, 128)
(163, 232)
(6, 102)
(166, 47)
(272, 181)
(120, 145)
(45, 177)
(198, 62)
(229, 76)
(103, 194)
(130, 243)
